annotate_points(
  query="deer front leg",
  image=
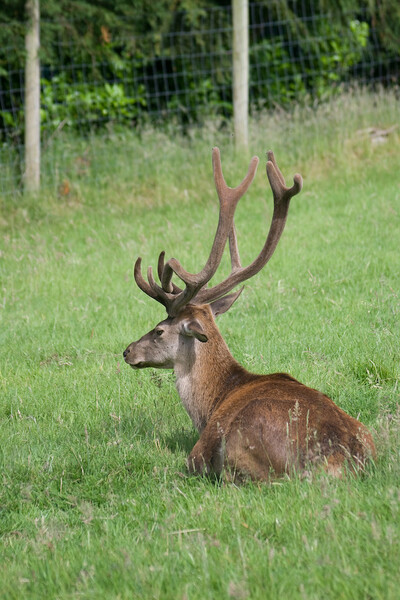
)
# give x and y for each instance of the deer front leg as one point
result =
(207, 456)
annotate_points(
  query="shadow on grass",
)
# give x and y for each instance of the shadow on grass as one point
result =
(181, 439)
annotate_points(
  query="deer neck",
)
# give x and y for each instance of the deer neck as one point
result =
(206, 375)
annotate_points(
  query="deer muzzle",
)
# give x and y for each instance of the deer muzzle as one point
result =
(131, 358)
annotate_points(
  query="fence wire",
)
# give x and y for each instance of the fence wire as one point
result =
(185, 75)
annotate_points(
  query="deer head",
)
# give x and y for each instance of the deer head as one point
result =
(173, 337)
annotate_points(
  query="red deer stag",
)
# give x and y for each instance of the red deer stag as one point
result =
(250, 425)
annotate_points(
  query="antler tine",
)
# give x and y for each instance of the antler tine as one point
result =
(282, 196)
(229, 197)
(167, 285)
(151, 288)
(277, 182)
(271, 158)
(234, 249)
(140, 281)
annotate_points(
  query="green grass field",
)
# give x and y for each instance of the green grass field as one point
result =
(95, 498)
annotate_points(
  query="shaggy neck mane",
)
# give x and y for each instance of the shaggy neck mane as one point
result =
(209, 362)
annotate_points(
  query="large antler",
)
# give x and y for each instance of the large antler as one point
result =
(172, 297)
(175, 298)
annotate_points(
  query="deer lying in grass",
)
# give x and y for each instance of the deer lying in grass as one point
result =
(249, 425)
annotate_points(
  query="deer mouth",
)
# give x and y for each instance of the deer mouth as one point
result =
(130, 360)
(139, 365)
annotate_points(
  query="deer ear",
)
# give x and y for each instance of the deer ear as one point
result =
(223, 304)
(194, 329)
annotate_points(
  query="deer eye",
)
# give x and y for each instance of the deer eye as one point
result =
(159, 332)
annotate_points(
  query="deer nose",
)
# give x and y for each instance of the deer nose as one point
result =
(126, 352)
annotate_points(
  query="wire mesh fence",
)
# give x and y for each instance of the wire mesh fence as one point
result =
(184, 75)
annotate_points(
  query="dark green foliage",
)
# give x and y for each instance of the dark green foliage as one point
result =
(127, 62)
(86, 107)
(311, 57)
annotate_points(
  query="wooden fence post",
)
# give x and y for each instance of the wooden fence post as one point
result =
(32, 99)
(240, 12)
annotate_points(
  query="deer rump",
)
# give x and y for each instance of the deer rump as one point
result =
(250, 425)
